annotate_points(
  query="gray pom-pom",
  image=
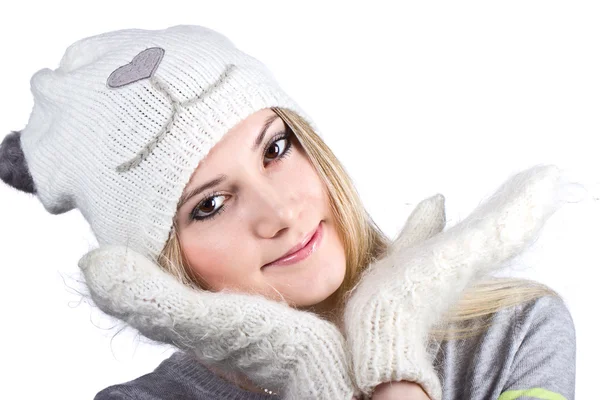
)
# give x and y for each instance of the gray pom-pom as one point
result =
(13, 166)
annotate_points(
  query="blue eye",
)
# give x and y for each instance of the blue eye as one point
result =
(275, 151)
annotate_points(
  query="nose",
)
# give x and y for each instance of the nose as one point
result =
(274, 207)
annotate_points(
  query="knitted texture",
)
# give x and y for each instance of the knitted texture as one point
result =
(117, 131)
(400, 297)
(294, 353)
(120, 126)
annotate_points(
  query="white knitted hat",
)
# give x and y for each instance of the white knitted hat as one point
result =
(118, 129)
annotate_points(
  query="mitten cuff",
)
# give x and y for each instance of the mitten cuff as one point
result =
(389, 345)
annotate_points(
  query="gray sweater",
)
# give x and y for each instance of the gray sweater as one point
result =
(527, 353)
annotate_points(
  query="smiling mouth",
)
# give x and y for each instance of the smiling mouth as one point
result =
(309, 248)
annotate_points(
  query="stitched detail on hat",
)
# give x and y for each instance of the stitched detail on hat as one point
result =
(176, 108)
(143, 66)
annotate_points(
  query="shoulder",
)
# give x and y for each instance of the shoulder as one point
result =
(113, 393)
(542, 333)
(152, 386)
(541, 321)
(544, 358)
(545, 343)
(546, 311)
(544, 320)
(165, 382)
(179, 377)
(530, 345)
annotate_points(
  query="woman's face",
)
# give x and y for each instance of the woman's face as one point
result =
(266, 199)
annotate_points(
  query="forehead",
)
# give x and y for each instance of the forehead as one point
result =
(238, 140)
(250, 127)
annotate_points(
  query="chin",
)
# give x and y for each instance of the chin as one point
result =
(315, 281)
(309, 301)
(305, 294)
(314, 293)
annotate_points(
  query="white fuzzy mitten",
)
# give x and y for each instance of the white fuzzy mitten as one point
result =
(400, 297)
(292, 352)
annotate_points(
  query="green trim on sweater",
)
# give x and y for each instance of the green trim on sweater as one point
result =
(538, 393)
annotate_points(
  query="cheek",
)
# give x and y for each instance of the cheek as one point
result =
(306, 181)
(215, 261)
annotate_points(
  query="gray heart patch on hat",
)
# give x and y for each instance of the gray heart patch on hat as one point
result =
(141, 67)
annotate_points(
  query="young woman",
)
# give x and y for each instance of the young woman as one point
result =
(229, 230)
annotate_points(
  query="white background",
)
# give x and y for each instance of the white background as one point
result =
(415, 99)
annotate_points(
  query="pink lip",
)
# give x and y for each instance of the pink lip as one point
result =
(302, 253)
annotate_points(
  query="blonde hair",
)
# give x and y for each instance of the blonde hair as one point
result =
(364, 243)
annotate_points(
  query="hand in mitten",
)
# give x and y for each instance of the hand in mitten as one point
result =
(401, 296)
(292, 352)
(382, 347)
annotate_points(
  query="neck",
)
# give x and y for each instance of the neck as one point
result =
(328, 309)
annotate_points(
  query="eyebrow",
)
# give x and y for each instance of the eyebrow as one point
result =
(261, 136)
(221, 178)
